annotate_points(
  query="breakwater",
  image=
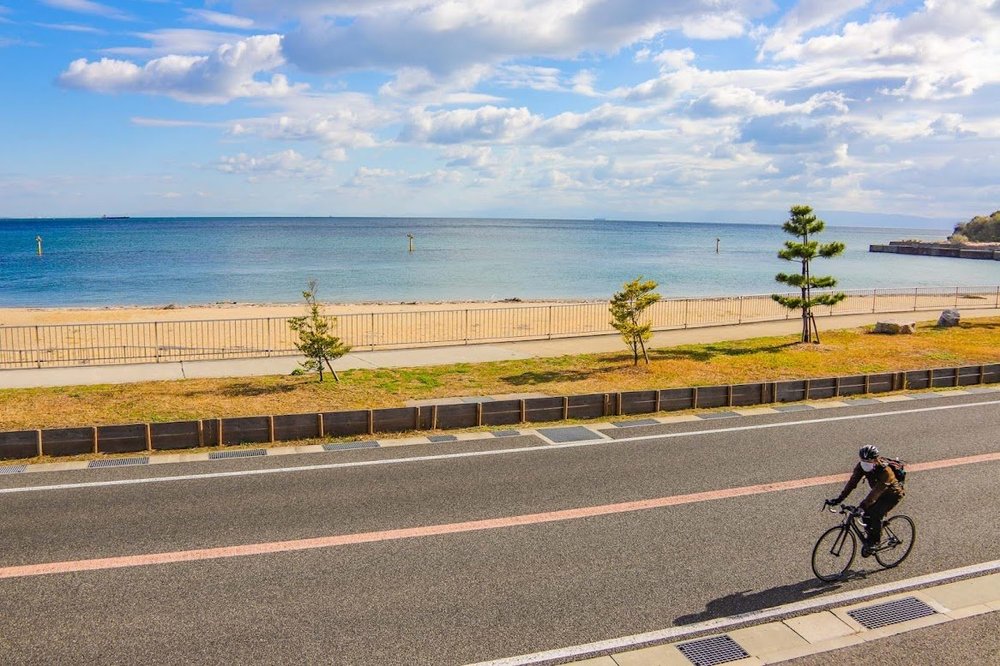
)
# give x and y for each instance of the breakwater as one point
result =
(938, 250)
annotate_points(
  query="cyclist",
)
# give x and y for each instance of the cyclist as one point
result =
(886, 491)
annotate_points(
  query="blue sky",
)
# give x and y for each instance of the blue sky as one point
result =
(667, 110)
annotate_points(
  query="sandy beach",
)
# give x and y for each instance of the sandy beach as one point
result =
(216, 311)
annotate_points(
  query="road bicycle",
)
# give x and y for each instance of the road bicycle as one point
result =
(836, 548)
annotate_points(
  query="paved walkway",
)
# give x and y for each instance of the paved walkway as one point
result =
(824, 631)
(402, 358)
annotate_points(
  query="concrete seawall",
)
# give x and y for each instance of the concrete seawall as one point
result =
(938, 250)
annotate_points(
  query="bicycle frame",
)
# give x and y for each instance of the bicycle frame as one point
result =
(849, 524)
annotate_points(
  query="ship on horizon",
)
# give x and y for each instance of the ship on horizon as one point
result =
(115, 217)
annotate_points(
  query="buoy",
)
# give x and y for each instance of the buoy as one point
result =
(38, 240)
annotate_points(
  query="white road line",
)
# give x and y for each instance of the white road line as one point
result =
(664, 635)
(493, 452)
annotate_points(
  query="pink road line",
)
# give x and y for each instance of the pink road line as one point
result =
(448, 528)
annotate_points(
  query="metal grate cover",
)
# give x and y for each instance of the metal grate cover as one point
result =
(635, 424)
(569, 434)
(717, 415)
(892, 612)
(242, 453)
(117, 462)
(12, 469)
(713, 650)
(350, 445)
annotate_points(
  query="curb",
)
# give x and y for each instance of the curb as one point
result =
(553, 434)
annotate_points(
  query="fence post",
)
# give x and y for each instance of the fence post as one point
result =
(956, 297)
(371, 332)
(739, 316)
(466, 325)
(156, 339)
(550, 322)
(915, 298)
(874, 297)
(686, 313)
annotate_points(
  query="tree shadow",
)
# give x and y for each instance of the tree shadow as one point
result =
(534, 378)
(250, 390)
(748, 601)
(708, 352)
(984, 325)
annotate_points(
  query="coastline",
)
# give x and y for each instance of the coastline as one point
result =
(38, 316)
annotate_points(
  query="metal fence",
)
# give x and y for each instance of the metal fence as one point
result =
(171, 341)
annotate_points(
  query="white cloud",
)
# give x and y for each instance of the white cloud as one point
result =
(486, 124)
(175, 41)
(226, 74)
(287, 163)
(443, 36)
(88, 7)
(164, 122)
(947, 49)
(220, 19)
(347, 126)
(723, 25)
(436, 177)
(807, 15)
(421, 87)
(72, 27)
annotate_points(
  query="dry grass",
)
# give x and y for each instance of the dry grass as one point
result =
(843, 352)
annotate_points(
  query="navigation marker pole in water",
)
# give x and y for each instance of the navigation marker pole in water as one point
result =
(38, 239)
(410, 236)
(717, 245)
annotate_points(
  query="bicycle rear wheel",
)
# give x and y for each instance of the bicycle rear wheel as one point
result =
(834, 553)
(899, 533)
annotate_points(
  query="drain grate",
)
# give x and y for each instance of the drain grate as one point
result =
(242, 453)
(351, 445)
(713, 650)
(569, 434)
(717, 415)
(892, 612)
(441, 438)
(635, 424)
(13, 469)
(117, 462)
(506, 433)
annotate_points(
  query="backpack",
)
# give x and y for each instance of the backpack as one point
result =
(898, 468)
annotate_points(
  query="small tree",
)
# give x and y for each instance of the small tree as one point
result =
(627, 308)
(804, 224)
(316, 342)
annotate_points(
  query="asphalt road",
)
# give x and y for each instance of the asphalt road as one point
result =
(475, 595)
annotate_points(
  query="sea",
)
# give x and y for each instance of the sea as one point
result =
(200, 261)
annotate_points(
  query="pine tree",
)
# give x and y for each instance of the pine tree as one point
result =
(316, 343)
(627, 307)
(804, 224)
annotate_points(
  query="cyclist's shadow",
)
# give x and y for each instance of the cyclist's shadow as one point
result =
(748, 601)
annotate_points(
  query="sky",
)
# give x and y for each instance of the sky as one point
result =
(885, 111)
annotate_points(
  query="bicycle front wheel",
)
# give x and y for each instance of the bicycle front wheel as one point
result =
(834, 553)
(899, 533)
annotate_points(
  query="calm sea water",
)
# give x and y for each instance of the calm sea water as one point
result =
(187, 261)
